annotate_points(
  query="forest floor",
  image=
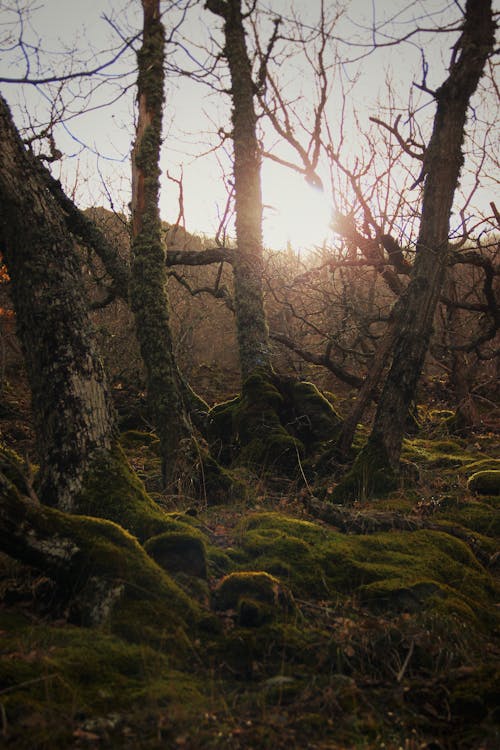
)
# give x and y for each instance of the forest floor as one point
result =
(328, 627)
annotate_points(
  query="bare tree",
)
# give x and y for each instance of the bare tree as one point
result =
(415, 309)
(253, 336)
(148, 290)
(73, 413)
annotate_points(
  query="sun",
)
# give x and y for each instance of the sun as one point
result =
(295, 214)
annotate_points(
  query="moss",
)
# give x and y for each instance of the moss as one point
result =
(179, 551)
(483, 464)
(277, 451)
(370, 476)
(412, 566)
(104, 573)
(480, 517)
(61, 682)
(437, 454)
(111, 490)
(11, 466)
(275, 423)
(313, 418)
(284, 555)
(256, 596)
(485, 482)
(216, 484)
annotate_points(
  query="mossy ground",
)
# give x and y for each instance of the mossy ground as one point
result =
(283, 632)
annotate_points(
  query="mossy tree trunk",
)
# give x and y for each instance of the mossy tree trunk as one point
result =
(253, 335)
(414, 311)
(72, 410)
(148, 292)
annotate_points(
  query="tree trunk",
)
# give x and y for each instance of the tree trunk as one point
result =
(72, 410)
(414, 311)
(253, 335)
(366, 393)
(148, 290)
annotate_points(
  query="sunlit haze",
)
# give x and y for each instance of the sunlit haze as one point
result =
(295, 213)
(96, 131)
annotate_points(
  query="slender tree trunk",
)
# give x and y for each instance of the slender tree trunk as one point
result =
(71, 406)
(148, 290)
(414, 311)
(365, 394)
(253, 335)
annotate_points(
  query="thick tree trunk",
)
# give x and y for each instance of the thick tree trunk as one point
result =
(253, 335)
(71, 406)
(415, 309)
(148, 290)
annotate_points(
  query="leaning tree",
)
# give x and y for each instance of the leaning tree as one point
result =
(415, 309)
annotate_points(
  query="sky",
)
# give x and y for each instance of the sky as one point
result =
(96, 143)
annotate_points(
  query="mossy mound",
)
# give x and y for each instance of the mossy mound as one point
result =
(485, 482)
(438, 454)
(60, 685)
(104, 575)
(481, 517)
(390, 569)
(256, 597)
(274, 423)
(179, 552)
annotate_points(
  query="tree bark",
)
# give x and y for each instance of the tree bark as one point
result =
(72, 410)
(253, 335)
(414, 311)
(148, 292)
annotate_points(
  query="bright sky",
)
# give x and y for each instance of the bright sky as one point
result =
(97, 144)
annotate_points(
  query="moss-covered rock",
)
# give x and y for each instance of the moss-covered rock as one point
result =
(179, 552)
(485, 482)
(256, 597)
(104, 574)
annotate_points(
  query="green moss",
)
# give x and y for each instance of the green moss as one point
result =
(480, 517)
(112, 490)
(11, 466)
(179, 551)
(485, 482)
(437, 454)
(105, 574)
(216, 484)
(483, 464)
(57, 680)
(411, 566)
(312, 418)
(255, 591)
(274, 423)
